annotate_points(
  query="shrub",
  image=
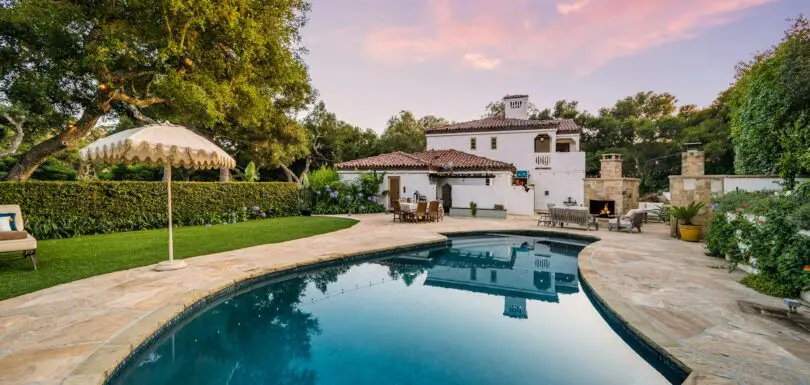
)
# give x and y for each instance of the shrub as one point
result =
(65, 209)
(686, 213)
(322, 178)
(331, 196)
(768, 285)
(762, 228)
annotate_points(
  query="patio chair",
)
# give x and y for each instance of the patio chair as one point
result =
(421, 212)
(396, 210)
(19, 240)
(545, 216)
(433, 211)
(633, 219)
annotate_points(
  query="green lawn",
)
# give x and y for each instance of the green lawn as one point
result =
(65, 260)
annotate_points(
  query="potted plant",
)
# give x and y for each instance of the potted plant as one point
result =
(473, 208)
(685, 214)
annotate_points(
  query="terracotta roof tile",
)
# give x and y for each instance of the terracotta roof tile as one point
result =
(563, 126)
(457, 160)
(391, 161)
(435, 160)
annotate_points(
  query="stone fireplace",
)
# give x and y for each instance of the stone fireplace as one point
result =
(611, 194)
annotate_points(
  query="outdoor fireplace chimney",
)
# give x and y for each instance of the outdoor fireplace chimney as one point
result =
(693, 160)
(611, 166)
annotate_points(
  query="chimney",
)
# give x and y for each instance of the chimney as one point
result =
(693, 160)
(516, 106)
(611, 166)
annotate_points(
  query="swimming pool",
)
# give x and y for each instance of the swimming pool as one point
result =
(483, 309)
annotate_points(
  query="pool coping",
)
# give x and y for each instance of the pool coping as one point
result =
(112, 356)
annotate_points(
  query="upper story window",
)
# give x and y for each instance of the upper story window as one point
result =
(563, 147)
(493, 143)
(472, 144)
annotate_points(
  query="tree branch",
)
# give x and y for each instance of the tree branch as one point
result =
(136, 113)
(291, 177)
(142, 102)
(18, 137)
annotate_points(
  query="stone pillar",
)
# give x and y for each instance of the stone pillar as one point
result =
(692, 163)
(611, 167)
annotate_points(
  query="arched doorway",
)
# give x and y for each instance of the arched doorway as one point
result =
(447, 197)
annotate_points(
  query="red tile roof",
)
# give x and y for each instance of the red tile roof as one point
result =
(563, 126)
(434, 160)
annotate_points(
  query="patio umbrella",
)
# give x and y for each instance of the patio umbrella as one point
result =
(160, 144)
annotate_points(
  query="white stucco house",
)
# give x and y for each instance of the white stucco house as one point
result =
(513, 163)
(545, 152)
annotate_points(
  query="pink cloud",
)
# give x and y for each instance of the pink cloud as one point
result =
(566, 8)
(579, 34)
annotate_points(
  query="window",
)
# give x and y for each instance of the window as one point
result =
(563, 147)
(472, 144)
(493, 143)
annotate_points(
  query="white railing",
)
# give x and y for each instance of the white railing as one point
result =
(542, 161)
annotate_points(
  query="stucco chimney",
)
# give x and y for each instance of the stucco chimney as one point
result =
(611, 166)
(516, 106)
(693, 160)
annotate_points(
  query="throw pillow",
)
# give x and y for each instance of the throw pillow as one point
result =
(7, 222)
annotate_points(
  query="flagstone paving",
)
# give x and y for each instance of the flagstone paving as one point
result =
(666, 289)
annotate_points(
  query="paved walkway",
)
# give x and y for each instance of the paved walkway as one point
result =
(76, 333)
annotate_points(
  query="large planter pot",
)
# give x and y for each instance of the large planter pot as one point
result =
(690, 233)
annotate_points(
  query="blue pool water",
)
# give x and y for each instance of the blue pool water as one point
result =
(489, 309)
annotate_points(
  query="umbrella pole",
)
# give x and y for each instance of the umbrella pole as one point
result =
(171, 264)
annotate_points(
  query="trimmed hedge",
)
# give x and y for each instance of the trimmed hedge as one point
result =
(64, 209)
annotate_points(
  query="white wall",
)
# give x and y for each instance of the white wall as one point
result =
(466, 190)
(411, 181)
(563, 179)
(731, 183)
(515, 147)
(519, 201)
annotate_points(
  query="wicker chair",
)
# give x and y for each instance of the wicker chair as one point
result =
(396, 210)
(433, 211)
(421, 212)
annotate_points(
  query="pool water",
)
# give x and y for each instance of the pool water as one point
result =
(487, 309)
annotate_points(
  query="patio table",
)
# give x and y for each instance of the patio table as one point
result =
(407, 207)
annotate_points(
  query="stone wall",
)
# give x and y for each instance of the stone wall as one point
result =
(624, 191)
(693, 163)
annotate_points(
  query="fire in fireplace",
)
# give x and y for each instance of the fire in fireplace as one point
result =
(603, 209)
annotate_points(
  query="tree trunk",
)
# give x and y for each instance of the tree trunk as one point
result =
(37, 155)
(224, 174)
(18, 137)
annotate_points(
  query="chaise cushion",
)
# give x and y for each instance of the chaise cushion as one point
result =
(12, 235)
(27, 243)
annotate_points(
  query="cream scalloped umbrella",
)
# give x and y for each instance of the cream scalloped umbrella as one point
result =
(163, 144)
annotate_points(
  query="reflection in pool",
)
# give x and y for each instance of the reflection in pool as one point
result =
(492, 309)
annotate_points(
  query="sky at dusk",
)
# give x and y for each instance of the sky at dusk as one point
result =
(369, 59)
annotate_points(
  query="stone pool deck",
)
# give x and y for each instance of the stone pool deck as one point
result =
(666, 289)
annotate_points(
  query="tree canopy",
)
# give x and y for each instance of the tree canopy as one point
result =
(231, 71)
(769, 107)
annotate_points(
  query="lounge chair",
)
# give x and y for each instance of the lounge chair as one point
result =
(20, 240)
(633, 219)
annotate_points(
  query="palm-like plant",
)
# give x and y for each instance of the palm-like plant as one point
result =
(686, 213)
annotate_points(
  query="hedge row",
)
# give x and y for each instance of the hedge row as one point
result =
(62, 209)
